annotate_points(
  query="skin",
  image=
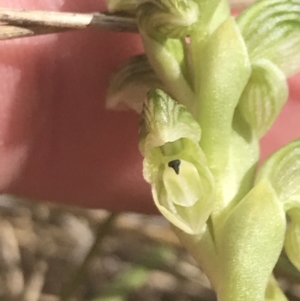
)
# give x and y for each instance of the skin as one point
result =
(57, 140)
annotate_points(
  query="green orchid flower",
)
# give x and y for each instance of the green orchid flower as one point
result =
(222, 83)
(175, 165)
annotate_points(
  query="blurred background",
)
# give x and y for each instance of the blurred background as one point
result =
(49, 253)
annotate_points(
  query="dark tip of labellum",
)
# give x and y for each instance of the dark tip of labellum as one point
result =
(175, 164)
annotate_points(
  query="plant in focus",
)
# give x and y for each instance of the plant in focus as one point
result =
(215, 85)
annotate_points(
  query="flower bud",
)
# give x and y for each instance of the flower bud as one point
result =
(271, 30)
(264, 96)
(129, 85)
(172, 19)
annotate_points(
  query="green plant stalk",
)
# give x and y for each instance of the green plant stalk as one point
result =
(225, 80)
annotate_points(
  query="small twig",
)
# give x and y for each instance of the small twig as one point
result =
(12, 32)
(21, 23)
(70, 288)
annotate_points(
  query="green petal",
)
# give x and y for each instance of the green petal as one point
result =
(271, 29)
(250, 244)
(292, 238)
(186, 201)
(282, 171)
(172, 19)
(264, 96)
(177, 221)
(129, 85)
(183, 185)
(163, 120)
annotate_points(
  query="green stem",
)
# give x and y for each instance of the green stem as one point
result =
(203, 251)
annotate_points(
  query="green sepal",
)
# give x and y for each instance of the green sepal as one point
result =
(171, 19)
(264, 96)
(271, 29)
(169, 135)
(130, 84)
(222, 69)
(250, 244)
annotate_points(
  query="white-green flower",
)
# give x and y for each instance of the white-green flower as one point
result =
(174, 164)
